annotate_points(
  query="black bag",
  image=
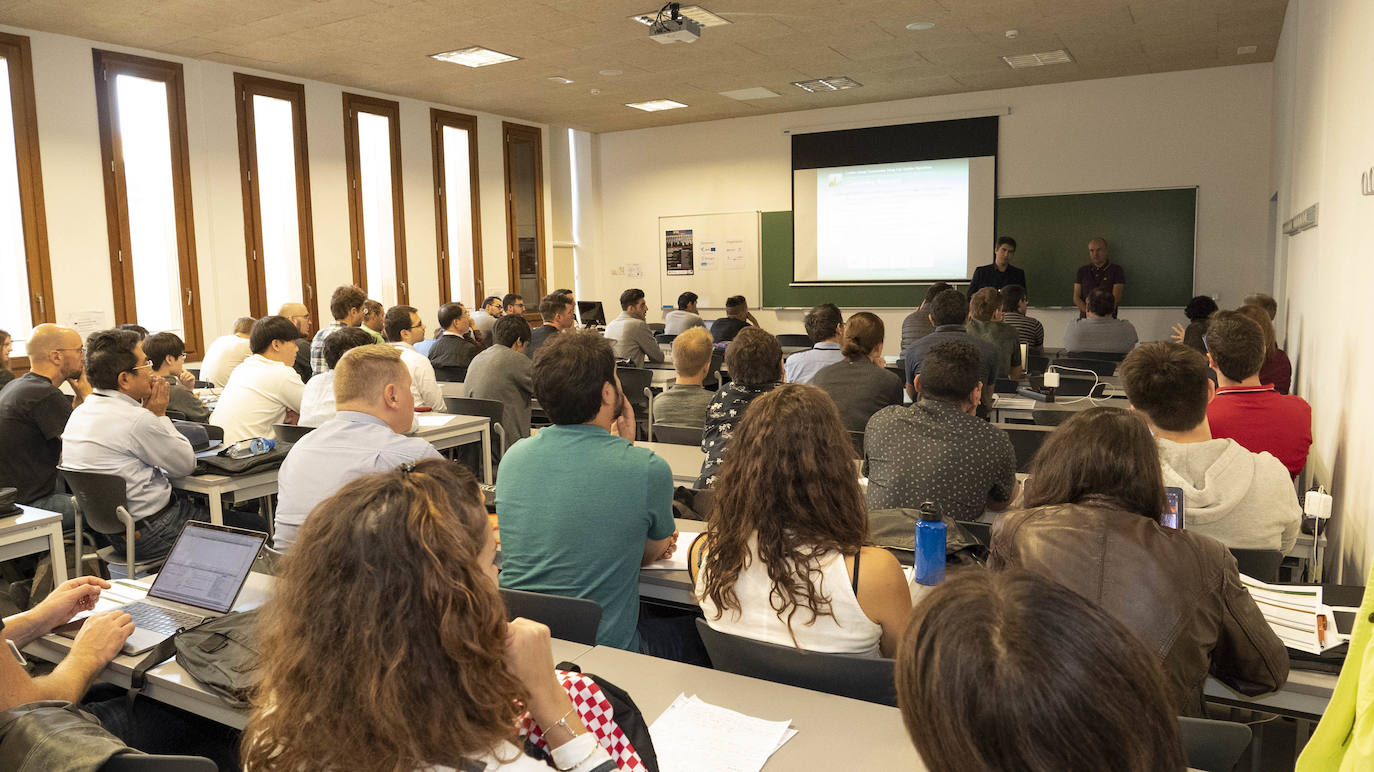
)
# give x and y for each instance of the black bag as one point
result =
(201, 436)
(221, 464)
(895, 529)
(221, 654)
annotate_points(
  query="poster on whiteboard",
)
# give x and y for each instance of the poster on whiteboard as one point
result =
(677, 250)
(712, 256)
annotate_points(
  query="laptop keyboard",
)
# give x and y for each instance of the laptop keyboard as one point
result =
(158, 619)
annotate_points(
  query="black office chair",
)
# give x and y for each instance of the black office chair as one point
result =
(1099, 366)
(290, 432)
(1100, 356)
(657, 327)
(848, 675)
(1213, 746)
(141, 762)
(714, 378)
(1256, 564)
(978, 530)
(1037, 363)
(634, 381)
(677, 435)
(788, 339)
(663, 337)
(1026, 439)
(858, 439)
(101, 502)
(492, 409)
(572, 619)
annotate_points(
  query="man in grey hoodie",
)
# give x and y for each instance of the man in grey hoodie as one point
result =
(1244, 500)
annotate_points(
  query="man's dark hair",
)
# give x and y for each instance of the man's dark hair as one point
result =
(448, 314)
(933, 290)
(949, 308)
(489, 299)
(345, 299)
(1200, 308)
(109, 353)
(754, 357)
(735, 303)
(686, 299)
(510, 299)
(509, 329)
(950, 371)
(552, 305)
(243, 325)
(630, 297)
(1008, 240)
(1267, 302)
(138, 329)
(569, 371)
(396, 321)
(1167, 381)
(160, 345)
(1101, 302)
(340, 341)
(822, 322)
(1012, 295)
(1236, 344)
(565, 292)
(270, 328)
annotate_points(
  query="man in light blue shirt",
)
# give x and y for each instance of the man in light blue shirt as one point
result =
(825, 327)
(366, 435)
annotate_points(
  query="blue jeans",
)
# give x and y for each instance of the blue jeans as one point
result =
(156, 533)
(60, 503)
(155, 727)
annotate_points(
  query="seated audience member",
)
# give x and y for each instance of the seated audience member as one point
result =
(630, 335)
(122, 429)
(1276, 370)
(937, 449)
(455, 346)
(417, 646)
(503, 373)
(684, 317)
(265, 389)
(783, 557)
(1099, 331)
(168, 355)
(374, 320)
(860, 384)
(6, 344)
(1029, 330)
(366, 435)
(1242, 499)
(736, 318)
(558, 313)
(227, 352)
(917, 324)
(1040, 659)
(1198, 310)
(317, 401)
(484, 318)
(985, 314)
(580, 508)
(33, 415)
(346, 306)
(1267, 302)
(404, 329)
(1246, 409)
(512, 303)
(1092, 524)
(684, 403)
(299, 315)
(754, 360)
(948, 315)
(137, 329)
(825, 327)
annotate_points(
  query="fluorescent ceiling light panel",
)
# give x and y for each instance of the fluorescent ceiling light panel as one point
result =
(920, 26)
(655, 105)
(1022, 61)
(694, 12)
(474, 56)
(560, 80)
(1246, 50)
(832, 83)
(743, 94)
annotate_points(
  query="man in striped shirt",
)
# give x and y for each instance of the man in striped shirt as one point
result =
(1028, 330)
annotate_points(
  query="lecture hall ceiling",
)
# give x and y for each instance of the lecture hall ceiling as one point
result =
(383, 45)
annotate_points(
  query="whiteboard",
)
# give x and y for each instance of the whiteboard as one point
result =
(713, 255)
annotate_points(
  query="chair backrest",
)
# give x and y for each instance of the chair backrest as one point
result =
(1099, 366)
(1036, 363)
(792, 339)
(98, 496)
(677, 435)
(858, 439)
(139, 762)
(848, 675)
(1100, 356)
(572, 619)
(657, 327)
(290, 432)
(1026, 439)
(490, 408)
(1256, 564)
(664, 337)
(1213, 746)
(633, 381)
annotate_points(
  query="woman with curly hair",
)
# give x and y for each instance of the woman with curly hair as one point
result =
(386, 646)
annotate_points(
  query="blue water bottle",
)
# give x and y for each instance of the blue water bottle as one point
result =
(930, 546)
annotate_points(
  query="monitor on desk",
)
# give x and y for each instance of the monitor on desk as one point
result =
(591, 312)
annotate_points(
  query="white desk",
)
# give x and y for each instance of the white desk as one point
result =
(447, 430)
(1064, 405)
(684, 460)
(1304, 696)
(31, 531)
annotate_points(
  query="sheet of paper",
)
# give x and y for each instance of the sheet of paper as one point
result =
(1008, 402)
(693, 735)
(678, 562)
(210, 451)
(432, 420)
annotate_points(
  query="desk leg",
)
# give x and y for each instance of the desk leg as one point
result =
(216, 507)
(486, 453)
(57, 555)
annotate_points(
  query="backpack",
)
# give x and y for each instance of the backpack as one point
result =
(221, 464)
(220, 653)
(609, 713)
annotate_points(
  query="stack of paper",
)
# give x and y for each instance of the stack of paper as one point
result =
(1010, 402)
(692, 735)
(1296, 614)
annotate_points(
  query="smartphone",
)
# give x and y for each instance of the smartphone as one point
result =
(1172, 517)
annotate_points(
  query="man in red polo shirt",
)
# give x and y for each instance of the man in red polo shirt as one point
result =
(1245, 410)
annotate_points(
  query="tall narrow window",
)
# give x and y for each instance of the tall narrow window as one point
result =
(455, 207)
(141, 105)
(275, 170)
(525, 209)
(25, 278)
(372, 150)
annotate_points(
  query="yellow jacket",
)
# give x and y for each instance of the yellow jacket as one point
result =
(1344, 740)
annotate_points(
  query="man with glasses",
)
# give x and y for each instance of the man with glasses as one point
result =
(404, 329)
(513, 304)
(265, 389)
(298, 315)
(122, 429)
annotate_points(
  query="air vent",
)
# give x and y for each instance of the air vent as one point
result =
(833, 83)
(1023, 61)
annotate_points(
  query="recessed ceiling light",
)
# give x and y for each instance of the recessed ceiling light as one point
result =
(920, 26)
(757, 92)
(560, 80)
(1246, 50)
(832, 83)
(610, 73)
(1022, 61)
(694, 12)
(655, 105)
(474, 56)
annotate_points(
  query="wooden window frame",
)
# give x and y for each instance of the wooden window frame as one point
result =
(107, 65)
(246, 87)
(353, 104)
(438, 121)
(16, 52)
(508, 131)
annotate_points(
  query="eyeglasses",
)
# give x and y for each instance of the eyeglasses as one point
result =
(416, 326)
(147, 363)
(82, 349)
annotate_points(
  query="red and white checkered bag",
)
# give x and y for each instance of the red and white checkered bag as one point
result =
(597, 715)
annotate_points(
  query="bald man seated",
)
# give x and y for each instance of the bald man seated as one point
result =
(300, 316)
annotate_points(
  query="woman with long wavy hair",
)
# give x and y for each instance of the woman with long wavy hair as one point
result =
(783, 559)
(386, 646)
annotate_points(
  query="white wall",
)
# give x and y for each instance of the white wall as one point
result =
(1208, 128)
(73, 186)
(1322, 145)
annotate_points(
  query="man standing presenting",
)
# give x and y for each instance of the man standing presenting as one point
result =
(1099, 273)
(299, 315)
(346, 306)
(453, 351)
(633, 338)
(1000, 272)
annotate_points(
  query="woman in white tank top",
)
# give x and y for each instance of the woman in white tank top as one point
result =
(783, 559)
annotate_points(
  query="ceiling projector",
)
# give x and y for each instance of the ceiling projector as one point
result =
(677, 29)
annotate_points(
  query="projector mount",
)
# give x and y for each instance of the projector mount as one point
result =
(670, 26)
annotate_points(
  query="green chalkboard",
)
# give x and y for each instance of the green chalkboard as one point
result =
(1151, 234)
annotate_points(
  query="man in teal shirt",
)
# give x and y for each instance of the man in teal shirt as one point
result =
(581, 508)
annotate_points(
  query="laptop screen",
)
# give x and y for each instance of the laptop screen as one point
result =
(207, 566)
